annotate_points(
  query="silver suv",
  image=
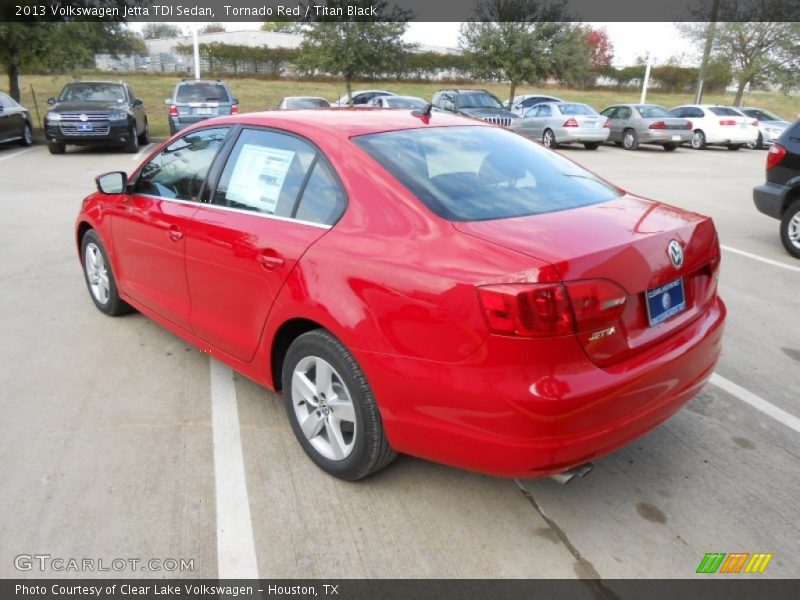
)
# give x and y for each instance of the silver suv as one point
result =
(197, 99)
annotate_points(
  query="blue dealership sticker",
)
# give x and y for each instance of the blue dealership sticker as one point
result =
(665, 301)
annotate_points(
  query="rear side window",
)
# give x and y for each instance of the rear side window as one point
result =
(653, 112)
(476, 173)
(179, 171)
(624, 112)
(202, 92)
(724, 111)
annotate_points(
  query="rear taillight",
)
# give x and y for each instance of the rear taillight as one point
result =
(570, 122)
(775, 155)
(688, 125)
(235, 109)
(607, 123)
(754, 123)
(527, 310)
(714, 261)
(596, 303)
(658, 125)
(550, 309)
(173, 111)
(727, 122)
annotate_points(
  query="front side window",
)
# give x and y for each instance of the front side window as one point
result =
(477, 100)
(609, 112)
(179, 171)
(265, 173)
(473, 173)
(93, 92)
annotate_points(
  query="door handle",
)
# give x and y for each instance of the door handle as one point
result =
(270, 261)
(175, 234)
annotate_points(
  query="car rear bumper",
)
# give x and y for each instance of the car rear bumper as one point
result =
(769, 199)
(743, 137)
(568, 135)
(531, 408)
(665, 136)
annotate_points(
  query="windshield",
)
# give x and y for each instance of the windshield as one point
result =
(201, 92)
(576, 109)
(93, 92)
(396, 102)
(476, 173)
(477, 100)
(653, 112)
(761, 115)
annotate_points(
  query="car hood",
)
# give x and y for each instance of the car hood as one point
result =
(480, 113)
(88, 106)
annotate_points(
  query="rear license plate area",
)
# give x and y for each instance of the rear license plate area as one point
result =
(665, 302)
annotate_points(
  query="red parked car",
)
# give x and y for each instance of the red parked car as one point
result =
(430, 286)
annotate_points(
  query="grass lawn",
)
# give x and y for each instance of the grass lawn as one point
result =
(258, 94)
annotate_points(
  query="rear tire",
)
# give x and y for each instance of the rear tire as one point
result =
(698, 140)
(144, 139)
(27, 136)
(630, 141)
(99, 277)
(549, 139)
(56, 148)
(734, 147)
(334, 416)
(132, 145)
(591, 145)
(758, 144)
(670, 147)
(790, 229)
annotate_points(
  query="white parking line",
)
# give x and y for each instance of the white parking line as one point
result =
(768, 261)
(142, 151)
(756, 402)
(236, 552)
(2, 158)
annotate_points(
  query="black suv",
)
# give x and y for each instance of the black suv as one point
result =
(96, 113)
(779, 197)
(478, 104)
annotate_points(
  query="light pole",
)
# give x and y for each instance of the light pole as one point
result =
(646, 80)
(196, 52)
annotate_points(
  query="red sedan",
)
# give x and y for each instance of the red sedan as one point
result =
(430, 286)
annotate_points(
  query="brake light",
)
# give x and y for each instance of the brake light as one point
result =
(571, 122)
(716, 257)
(688, 125)
(235, 109)
(754, 123)
(658, 125)
(607, 123)
(727, 122)
(596, 303)
(173, 111)
(527, 310)
(775, 155)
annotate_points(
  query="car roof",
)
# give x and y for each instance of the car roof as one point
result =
(95, 82)
(193, 81)
(465, 90)
(344, 122)
(304, 98)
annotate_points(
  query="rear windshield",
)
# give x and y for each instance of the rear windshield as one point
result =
(202, 92)
(576, 109)
(724, 111)
(653, 112)
(307, 103)
(93, 92)
(477, 100)
(399, 102)
(761, 115)
(474, 173)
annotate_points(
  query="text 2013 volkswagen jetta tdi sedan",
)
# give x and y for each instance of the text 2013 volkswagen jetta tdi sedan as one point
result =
(431, 286)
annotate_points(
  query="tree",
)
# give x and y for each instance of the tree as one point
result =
(355, 48)
(513, 40)
(157, 31)
(281, 26)
(59, 47)
(601, 50)
(213, 28)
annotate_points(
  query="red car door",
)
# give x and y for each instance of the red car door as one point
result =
(149, 225)
(275, 197)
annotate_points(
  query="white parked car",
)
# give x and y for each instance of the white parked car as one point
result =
(362, 97)
(714, 125)
(770, 126)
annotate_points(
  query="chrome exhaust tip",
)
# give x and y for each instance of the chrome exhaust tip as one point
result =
(568, 475)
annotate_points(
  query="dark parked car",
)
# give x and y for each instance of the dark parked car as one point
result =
(779, 197)
(478, 104)
(96, 113)
(195, 100)
(15, 123)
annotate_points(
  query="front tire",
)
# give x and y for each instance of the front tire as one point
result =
(100, 278)
(56, 148)
(630, 141)
(790, 229)
(698, 140)
(549, 139)
(132, 145)
(27, 136)
(332, 409)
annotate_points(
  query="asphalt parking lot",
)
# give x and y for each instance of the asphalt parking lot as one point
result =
(119, 440)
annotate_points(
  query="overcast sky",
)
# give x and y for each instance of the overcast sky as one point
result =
(630, 40)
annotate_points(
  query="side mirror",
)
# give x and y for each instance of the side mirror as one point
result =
(51, 101)
(111, 183)
(236, 101)
(138, 102)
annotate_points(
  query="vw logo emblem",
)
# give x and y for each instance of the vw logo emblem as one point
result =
(84, 118)
(675, 254)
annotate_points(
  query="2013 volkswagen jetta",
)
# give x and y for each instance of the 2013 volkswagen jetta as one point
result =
(419, 284)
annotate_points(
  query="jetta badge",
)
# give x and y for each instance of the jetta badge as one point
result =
(84, 118)
(675, 254)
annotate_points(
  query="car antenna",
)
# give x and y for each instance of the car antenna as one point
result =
(424, 114)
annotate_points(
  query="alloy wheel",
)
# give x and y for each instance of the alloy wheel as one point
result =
(97, 273)
(548, 139)
(324, 408)
(793, 231)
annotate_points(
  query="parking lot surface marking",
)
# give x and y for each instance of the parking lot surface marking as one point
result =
(236, 554)
(768, 261)
(142, 151)
(2, 158)
(756, 402)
